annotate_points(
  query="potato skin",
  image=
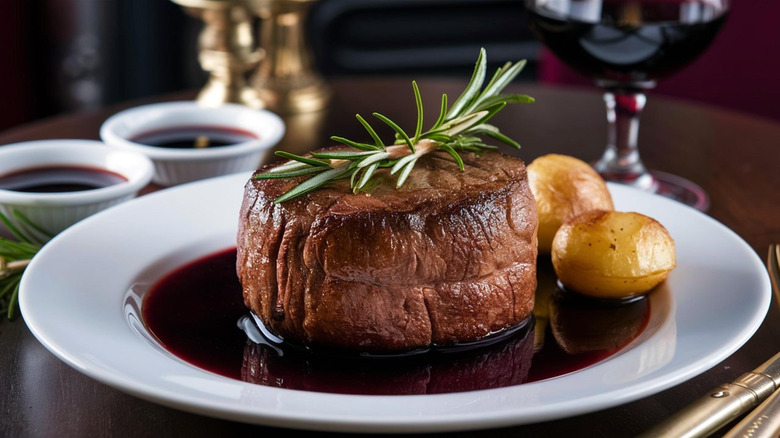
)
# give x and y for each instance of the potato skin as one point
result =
(564, 187)
(612, 254)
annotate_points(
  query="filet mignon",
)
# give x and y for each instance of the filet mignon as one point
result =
(449, 257)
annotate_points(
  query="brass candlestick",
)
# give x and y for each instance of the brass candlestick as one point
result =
(285, 79)
(226, 49)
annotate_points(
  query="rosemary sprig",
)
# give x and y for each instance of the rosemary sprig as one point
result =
(15, 256)
(457, 129)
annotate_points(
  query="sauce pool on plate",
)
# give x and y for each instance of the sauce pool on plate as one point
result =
(197, 313)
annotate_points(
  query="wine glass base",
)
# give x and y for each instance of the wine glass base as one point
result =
(661, 183)
(681, 189)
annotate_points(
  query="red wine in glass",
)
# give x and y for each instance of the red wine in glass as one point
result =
(626, 47)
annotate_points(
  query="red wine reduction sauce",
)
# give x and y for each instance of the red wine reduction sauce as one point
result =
(197, 313)
(58, 179)
(183, 137)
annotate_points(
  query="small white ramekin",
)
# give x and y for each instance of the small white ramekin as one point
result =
(54, 212)
(176, 166)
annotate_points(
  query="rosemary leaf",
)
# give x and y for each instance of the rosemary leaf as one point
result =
(32, 227)
(311, 184)
(17, 250)
(292, 173)
(397, 130)
(371, 132)
(401, 163)
(440, 137)
(13, 303)
(13, 229)
(14, 257)
(488, 113)
(477, 78)
(301, 159)
(497, 75)
(442, 112)
(388, 163)
(355, 144)
(467, 140)
(454, 155)
(418, 102)
(463, 123)
(342, 155)
(9, 283)
(286, 167)
(501, 80)
(351, 168)
(457, 129)
(405, 173)
(354, 177)
(369, 172)
(508, 98)
(493, 132)
(477, 149)
(373, 159)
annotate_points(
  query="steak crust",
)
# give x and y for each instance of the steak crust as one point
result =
(450, 257)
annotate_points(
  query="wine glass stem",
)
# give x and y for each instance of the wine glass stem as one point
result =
(621, 162)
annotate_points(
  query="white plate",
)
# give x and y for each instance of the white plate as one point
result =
(73, 298)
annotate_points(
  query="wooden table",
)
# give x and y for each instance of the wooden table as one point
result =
(734, 157)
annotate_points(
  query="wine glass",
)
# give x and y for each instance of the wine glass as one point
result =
(626, 47)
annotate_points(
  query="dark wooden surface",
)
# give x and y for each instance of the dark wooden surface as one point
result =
(734, 157)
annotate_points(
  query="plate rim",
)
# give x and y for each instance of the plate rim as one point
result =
(391, 424)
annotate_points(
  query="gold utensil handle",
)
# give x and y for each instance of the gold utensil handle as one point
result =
(716, 409)
(763, 422)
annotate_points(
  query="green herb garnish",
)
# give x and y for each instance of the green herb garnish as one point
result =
(15, 256)
(457, 129)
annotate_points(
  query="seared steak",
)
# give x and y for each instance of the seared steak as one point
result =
(449, 257)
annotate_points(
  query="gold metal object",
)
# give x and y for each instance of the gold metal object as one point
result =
(764, 421)
(226, 49)
(286, 79)
(773, 266)
(722, 405)
(727, 402)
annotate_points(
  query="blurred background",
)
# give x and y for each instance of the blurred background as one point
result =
(75, 55)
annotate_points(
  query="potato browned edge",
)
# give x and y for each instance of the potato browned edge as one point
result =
(564, 187)
(612, 254)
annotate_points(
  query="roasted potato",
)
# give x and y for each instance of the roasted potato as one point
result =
(564, 187)
(612, 254)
